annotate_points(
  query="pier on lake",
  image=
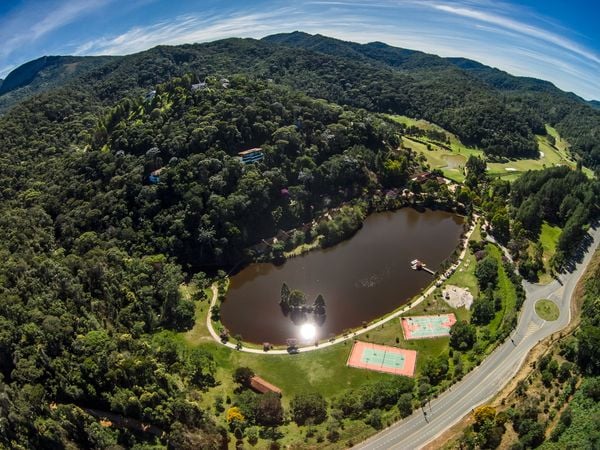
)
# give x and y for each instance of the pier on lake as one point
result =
(415, 264)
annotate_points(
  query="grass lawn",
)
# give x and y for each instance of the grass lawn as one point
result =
(303, 248)
(560, 144)
(506, 290)
(451, 161)
(549, 238)
(464, 276)
(547, 310)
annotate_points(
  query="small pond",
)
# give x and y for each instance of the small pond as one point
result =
(360, 279)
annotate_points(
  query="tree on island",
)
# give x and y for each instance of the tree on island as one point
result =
(285, 295)
(319, 305)
(297, 299)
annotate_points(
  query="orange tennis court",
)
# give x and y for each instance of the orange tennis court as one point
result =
(422, 327)
(382, 358)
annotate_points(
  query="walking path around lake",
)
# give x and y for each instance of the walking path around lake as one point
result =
(486, 380)
(352, 335)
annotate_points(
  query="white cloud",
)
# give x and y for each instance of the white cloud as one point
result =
(519, 27)
(190, 29)
(33, 21)
(499, 34)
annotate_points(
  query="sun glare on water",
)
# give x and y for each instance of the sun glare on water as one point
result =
(308, 331)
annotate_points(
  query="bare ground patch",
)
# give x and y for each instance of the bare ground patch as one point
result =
(457, 297)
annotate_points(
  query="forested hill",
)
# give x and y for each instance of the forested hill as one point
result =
(43, 74)
(374, 76)
(93, 250)
(535, 100)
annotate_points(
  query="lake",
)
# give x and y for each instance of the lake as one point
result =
(360, 279)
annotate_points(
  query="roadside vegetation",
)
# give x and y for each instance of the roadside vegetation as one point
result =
(558, 404)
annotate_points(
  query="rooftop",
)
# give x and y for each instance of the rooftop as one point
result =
(262, 386)
(250, 151)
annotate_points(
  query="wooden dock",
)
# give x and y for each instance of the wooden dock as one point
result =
(415, 264)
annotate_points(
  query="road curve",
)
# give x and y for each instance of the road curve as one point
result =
(493, 373)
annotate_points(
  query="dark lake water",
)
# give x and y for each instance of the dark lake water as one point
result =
(361, 279)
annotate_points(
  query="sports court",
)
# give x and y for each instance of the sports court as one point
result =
(423, 327)
(382, 358)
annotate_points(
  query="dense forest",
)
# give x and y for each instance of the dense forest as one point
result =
(483, 106)
(122, 180)
(93, 249)
(559, 196)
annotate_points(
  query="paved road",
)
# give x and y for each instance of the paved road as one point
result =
(494, 372)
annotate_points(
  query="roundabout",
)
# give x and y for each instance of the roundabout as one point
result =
(547, 310)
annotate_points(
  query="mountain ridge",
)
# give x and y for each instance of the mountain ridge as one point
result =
(485, 106)
(44, 73)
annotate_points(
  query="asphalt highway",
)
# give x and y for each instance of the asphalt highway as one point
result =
(483, 382)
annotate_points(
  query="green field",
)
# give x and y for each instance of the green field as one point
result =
(506, 290)
(549, 238)
(451, 161)
(547, 310)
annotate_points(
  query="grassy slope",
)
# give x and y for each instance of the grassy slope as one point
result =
(549, 238)
(438, 157)
(506, 290)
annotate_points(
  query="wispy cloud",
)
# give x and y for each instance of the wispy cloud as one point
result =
(519, 27)
(497, 33)
(191, 29)
(32, 21)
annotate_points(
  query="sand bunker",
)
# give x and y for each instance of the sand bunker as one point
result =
(510, 169)
(457, 297)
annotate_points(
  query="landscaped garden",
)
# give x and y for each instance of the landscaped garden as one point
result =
(444, 151)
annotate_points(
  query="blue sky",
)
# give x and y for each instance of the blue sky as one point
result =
(552, 39)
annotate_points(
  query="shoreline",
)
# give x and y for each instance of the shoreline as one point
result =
(278, 350)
